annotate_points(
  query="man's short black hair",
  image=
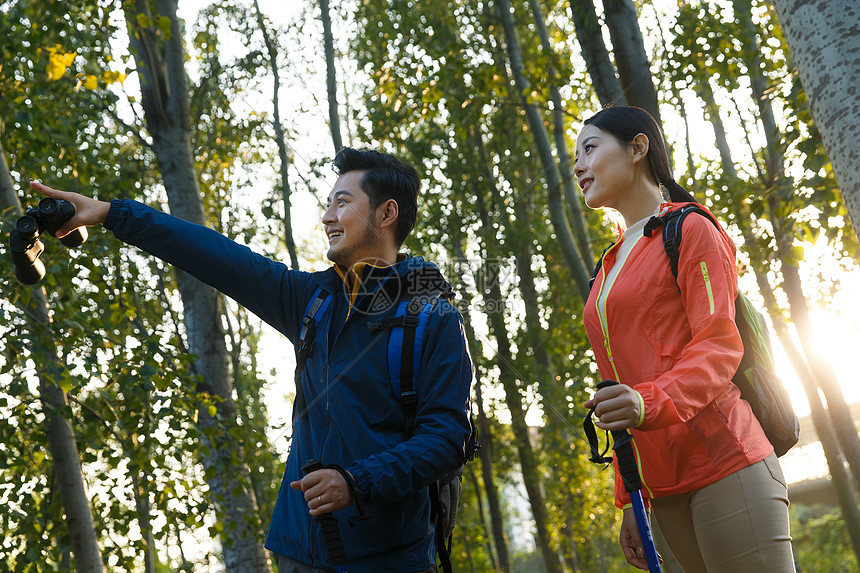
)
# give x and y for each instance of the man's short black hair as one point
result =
(386, 177)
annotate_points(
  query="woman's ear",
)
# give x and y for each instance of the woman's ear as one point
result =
(640, 146)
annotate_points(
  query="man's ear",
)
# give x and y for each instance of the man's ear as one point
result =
(388, 213)
(640, 146)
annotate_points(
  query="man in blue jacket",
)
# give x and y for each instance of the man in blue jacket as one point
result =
(352, 416)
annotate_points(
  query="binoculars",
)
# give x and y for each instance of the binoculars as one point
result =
(24, 243)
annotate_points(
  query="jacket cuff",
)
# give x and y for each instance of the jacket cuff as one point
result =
(362, 480)
(113, 215)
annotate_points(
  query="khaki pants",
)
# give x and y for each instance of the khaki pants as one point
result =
(738, 524)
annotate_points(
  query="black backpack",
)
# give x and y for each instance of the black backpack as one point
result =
(407, 328)
(756, 376)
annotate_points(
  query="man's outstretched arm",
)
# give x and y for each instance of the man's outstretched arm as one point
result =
(266, 288)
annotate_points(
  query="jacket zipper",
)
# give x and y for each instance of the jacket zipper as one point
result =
(601, 318)
(600, 305)
(704, 266)
(604, 327)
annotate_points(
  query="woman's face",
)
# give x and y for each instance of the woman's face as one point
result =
(603, 168)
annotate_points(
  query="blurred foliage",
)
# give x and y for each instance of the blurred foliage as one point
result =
(820, 540)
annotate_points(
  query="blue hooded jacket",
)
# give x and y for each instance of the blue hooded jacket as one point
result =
(354, 419)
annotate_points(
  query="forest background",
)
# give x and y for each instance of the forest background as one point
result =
(144, 419)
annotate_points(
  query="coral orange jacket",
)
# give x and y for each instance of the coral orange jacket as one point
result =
(676, 343)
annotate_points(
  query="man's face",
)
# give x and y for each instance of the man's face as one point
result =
(350, 224)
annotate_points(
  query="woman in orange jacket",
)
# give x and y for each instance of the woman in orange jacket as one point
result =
(710, 474)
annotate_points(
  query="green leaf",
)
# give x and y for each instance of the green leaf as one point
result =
(164, 26)
(796, 254)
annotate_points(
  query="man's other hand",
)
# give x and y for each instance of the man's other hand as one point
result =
(325, 491)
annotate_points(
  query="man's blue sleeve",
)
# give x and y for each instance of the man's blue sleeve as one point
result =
(268, 289)
(442, 422)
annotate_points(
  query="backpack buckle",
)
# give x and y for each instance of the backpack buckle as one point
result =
(409, 398)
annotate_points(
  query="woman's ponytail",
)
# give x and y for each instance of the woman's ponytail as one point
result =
(678, 194)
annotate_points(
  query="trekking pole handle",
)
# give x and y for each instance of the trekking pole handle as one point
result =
(328, 524)
(624, 453)
(628, 468)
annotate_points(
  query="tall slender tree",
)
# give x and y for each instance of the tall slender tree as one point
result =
(594, 52)
(485, 432)
(157, 43)
(331, 76)
(825, 46)
(555, 198)
(631, 58)
(775, 173)
(58, 428)
(562, 144)
(280, 137)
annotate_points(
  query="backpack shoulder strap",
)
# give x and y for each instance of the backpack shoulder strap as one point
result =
(598, 266)
(316, 308)
(671, 223)
(405, 346)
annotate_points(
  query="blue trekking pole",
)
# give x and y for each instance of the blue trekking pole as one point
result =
(629, 470)
(328, 523)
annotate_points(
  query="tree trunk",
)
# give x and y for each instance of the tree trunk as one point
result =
(841, 479)
(525, 449)
(712, 112)
(828, 31)
(555, 201)
(835, 464)
(559, 132)
(838, 410)
(488, 530)
(774, 158)
(280, 139)
(141, 503)
(514, 401)
(520, 241)
(164, 86)
(485, 436)
(500, 538)
(597, 62)
(630, 57)
(330, 77)
(139, 479)
(61, 435)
